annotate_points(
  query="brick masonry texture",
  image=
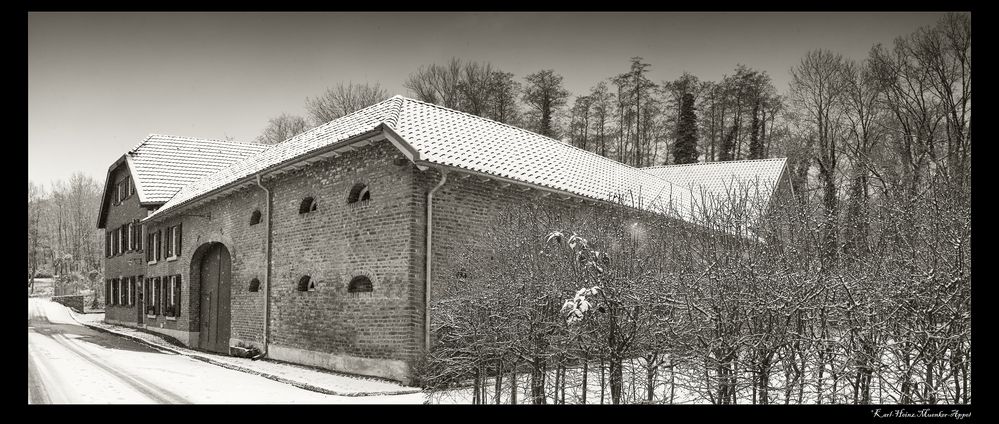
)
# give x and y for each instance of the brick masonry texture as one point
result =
(382, 238)
(129, 263)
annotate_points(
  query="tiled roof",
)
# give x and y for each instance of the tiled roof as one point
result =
(713, 182)
(447, 137)
(340, 129)
(163, 164)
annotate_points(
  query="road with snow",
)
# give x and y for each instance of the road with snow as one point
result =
(71, 363)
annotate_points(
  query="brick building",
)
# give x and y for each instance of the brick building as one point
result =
(315, 250)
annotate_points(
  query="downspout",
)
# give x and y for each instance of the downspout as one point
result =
(429, 259)
(267, 274)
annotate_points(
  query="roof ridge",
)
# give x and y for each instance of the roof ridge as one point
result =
(181, 137)
(316, 129)
(137, 146)
(602, 157)
(676, 165)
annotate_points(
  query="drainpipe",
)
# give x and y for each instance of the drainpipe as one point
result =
(267, 274)
(430, 234)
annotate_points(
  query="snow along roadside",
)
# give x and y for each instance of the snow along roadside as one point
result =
(297, 382)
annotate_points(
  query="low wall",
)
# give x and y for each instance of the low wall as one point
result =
(73, 301)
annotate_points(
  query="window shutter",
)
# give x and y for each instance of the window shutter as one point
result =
(149, 248)
(138, 235)
(180, 237)
(159, 243)
(107, 244)
(164, 282)
(156, 288)
(176, 295)
(107, 291)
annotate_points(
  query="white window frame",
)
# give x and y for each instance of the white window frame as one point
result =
(153, 252)
(172, 281)
(172, 242)
(152, 297)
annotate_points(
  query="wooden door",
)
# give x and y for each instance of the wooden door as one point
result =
(215, 299)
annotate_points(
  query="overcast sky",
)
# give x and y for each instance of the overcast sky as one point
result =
(98, 83)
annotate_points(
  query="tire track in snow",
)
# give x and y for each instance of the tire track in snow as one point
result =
(147, 389)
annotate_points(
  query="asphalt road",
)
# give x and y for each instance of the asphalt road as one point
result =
(71, 363)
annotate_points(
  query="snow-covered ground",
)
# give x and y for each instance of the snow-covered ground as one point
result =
(70, 363)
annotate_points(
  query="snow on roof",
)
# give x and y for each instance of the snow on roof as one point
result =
(717, 183)
(447, 137)
(163, 164)
(452, 138)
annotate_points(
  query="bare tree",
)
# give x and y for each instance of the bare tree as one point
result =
(281, 128)
(818, 89)
(342, 100)
(438, 84)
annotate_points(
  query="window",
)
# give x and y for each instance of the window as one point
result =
(131, 237)
(360, 284)
(150, 297)
(131, 187)
(154, 246)
(255, 217)
(168, 249)
(138, 236)
(173, 240)
(359, 193)
(151, 248)
(171, 296)
(121, 239)
(254, 285)
(308, 205)
(306, 284)
(129, 290)
(114, 242)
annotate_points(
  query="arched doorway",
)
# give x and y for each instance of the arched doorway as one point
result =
(214, 275)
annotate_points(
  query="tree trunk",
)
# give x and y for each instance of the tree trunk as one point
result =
(538, 382)
(499, 381)
(616, 379)
(513, 384)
